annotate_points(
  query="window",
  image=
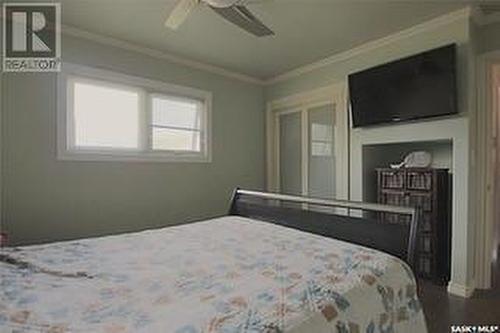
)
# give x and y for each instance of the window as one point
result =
(105, 116)
(321, 139)
(109, 116)
(176, 124)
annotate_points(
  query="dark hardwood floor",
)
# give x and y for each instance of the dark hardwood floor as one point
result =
(443, 310)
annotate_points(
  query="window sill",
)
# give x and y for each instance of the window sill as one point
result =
(164, 157)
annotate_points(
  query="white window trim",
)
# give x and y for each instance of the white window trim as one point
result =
(67, 152)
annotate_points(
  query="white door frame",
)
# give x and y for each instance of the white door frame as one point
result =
(334, 94)
(487, 135)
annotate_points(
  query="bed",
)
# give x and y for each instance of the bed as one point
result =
(255, 270)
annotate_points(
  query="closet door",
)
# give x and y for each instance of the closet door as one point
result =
(290, 153)
(306, 151)
(321, 152)
(307, 142)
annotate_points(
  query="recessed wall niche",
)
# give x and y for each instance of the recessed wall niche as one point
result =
(383, 155)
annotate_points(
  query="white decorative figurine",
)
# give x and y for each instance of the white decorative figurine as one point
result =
(416, 159)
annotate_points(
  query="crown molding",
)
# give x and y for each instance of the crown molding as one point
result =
(154, 53)
(461, 14)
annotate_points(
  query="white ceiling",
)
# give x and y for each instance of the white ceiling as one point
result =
(306, 30)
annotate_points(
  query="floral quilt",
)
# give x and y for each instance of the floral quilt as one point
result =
(224, 275)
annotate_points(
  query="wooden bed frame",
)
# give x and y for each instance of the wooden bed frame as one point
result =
(343, 220)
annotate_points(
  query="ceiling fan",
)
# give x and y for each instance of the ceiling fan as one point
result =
(234, 11)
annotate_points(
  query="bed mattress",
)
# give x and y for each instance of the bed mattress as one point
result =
(224, 275)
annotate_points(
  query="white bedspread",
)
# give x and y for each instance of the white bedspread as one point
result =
(224, 275)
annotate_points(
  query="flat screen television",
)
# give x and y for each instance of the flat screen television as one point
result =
(416, 87)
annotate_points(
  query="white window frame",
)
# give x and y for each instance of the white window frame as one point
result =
(66, 150)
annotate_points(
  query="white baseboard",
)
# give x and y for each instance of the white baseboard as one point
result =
(460, 289)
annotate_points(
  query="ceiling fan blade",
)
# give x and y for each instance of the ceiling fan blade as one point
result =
(243, 18)
(180, 13)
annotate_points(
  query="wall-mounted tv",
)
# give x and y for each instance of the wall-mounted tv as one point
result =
(416, 87)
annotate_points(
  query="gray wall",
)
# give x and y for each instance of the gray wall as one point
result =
(1, 138)
(45, 199)
(489, 37)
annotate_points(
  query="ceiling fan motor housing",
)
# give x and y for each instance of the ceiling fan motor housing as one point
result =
(222, 3)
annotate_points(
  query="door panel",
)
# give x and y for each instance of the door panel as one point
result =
(290, 153)
(321, 152)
